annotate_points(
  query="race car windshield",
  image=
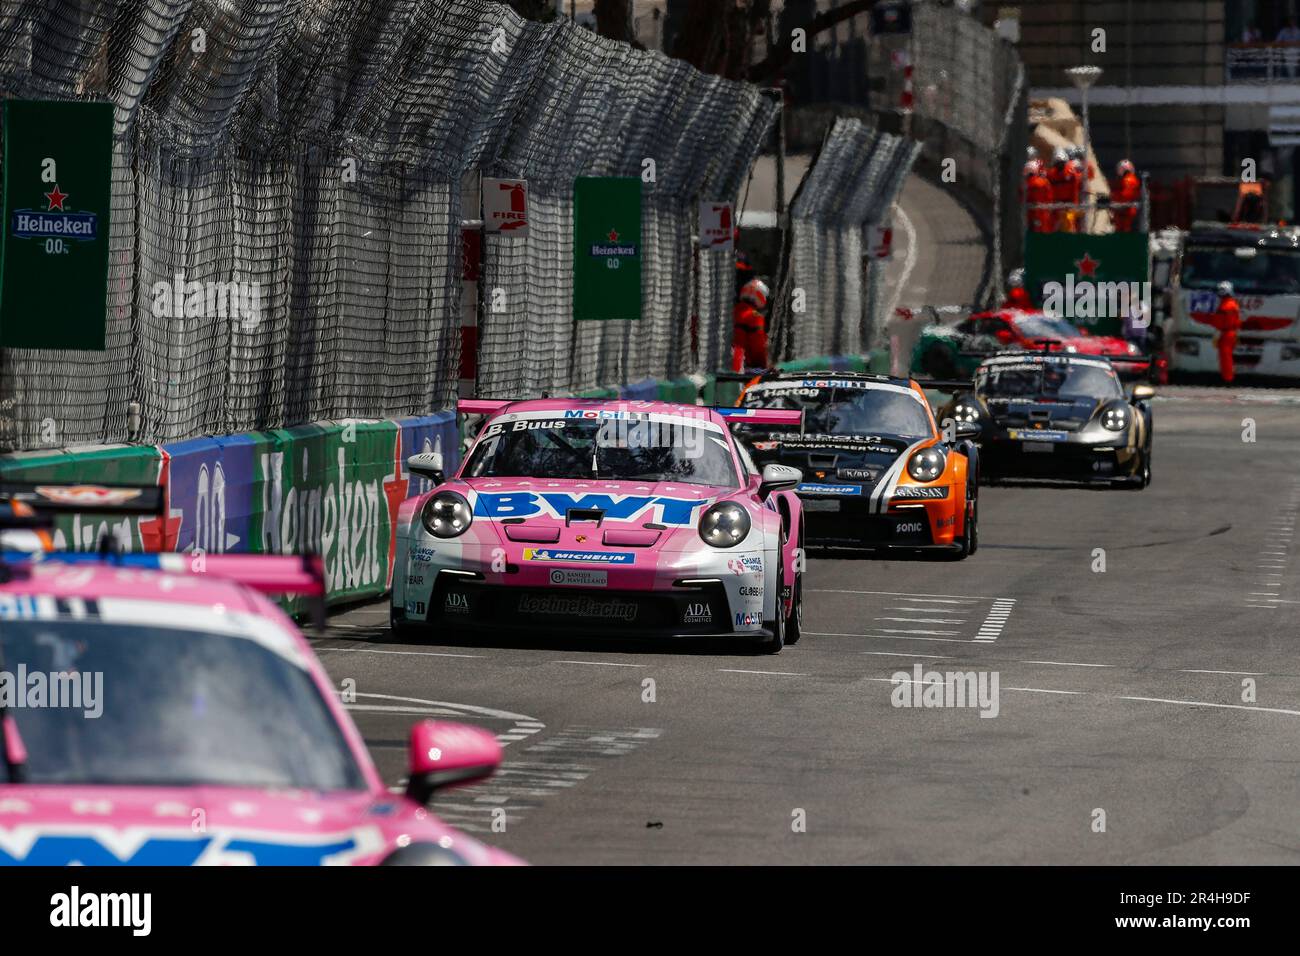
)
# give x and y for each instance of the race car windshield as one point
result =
(133, 705)
(1045, 327)
(1046, 380)
(846, 411)
(623, 449)
(1275, 271)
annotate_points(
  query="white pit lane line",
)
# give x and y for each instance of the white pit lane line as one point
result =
(599, 663)
(522, 725)
(736, 670)
(1149, 700)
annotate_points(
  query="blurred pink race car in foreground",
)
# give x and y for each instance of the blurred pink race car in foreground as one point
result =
(157, 715)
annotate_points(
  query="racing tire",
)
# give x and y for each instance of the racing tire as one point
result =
(399, 625)
(937, 362)
(1143, 477)
(776, 643)
(794, 626)
(969, 542)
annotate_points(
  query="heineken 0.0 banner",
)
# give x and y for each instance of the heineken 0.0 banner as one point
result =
(1095, 282)
(58, 173)
(606, 248)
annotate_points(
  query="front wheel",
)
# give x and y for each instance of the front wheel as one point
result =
(776, 643)
(794, 627)
(969, 542)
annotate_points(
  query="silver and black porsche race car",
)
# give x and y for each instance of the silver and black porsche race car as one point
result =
(1050, 415)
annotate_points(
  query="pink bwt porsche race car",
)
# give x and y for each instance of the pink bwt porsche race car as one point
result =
(607, 518)
(154, 715)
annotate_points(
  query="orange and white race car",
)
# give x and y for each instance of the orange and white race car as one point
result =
(879, 471)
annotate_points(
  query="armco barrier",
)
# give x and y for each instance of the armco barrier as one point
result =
(331, 487)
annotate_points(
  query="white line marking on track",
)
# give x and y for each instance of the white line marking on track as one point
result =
(911, 630)
(1032, 690)
(736, 670)
(1234, 673)
(909, 263)
(599, 663)
(893, 637)
(1066, 664)
(927, 657)
(926, 610)
(963, 598)
(1202, 703)
(371, 650)
(1043, 690)
(925, 620)
(991, 629)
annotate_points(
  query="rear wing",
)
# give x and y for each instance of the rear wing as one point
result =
(482, 406)
(52, 497)
(268, 573)
(1121, 356)
(950, 385)
(761, 416)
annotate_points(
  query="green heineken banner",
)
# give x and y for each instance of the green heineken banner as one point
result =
(58, 173)
(1093, 281)
(606, 248)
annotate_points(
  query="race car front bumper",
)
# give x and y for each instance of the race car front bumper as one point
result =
(693, 608)
(1073, 460)
(849, 522)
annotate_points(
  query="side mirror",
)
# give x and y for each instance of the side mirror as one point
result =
(1004, 336)
(967, 429)
(778, 478)
(1142, 392)
(443, 755)
(427, 464)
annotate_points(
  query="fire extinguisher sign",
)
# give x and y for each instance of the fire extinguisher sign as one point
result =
(716, 227)
(505, 207)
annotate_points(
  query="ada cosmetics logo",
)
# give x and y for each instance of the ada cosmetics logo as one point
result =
(456, 602)
(698, 612)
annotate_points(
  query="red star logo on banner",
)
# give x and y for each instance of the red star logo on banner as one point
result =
(613, 235)
(56, 198)
(1087, 265)
(395, 490)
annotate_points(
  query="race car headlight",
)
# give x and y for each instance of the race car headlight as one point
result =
(965, 413)
(1115, 418)
(724, 525)
(927, 464)
(446, 515)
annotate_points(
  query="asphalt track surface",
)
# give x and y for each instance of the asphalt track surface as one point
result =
(1119, 690)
